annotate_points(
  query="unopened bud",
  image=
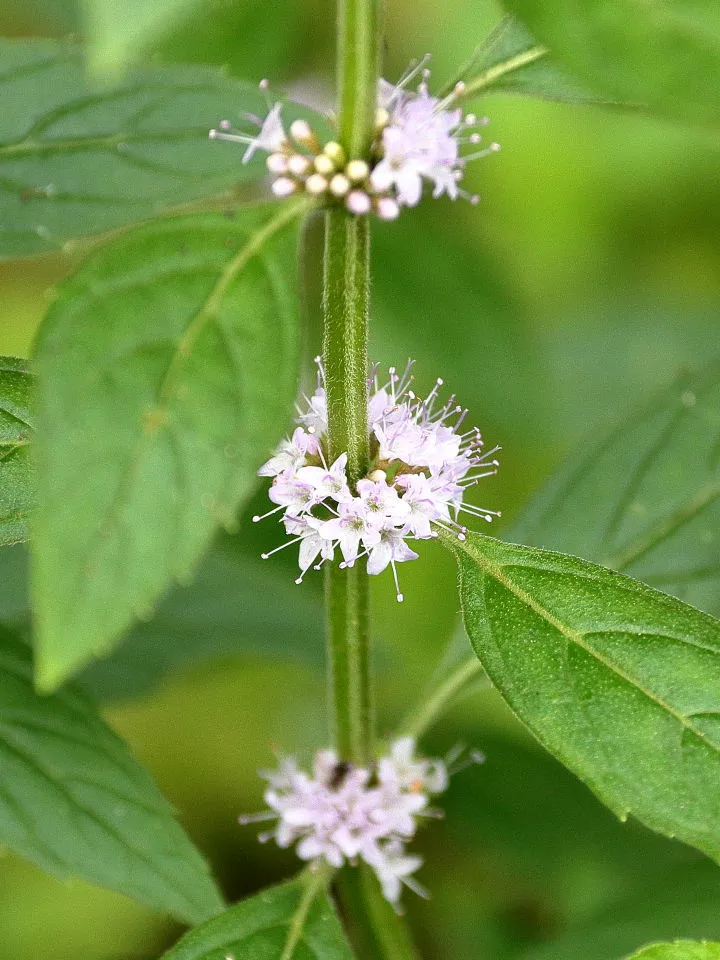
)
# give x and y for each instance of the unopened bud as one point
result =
(284, 187)
(382, 119)
(357, 171)
(324, 165)
(358, 202)
(302, 133)
(339, 185)
(387, 208)
(336, 153)
(298, 165)
(316, 184)
(277, 163)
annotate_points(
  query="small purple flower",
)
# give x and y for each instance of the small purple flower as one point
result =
(422, 464)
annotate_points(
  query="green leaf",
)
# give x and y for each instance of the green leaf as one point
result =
(679, 950)
(619, 681)
(645, 498)
(77, 161)
(75, 802)
(17, 484)
(512, 61)
(166, 368)
(263, 615)
(293, 921)
(118, 33)
(666, 55)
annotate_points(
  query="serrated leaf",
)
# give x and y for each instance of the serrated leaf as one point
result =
(76, 160)
(17, 483)
(620, 682)
(263, 615)
(293, 921)
(75, 802)
(666, 56)
(679, 950)
(118, 33)
(167, 369)
(645, 497)
(512, 61)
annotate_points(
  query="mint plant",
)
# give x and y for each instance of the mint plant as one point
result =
(169, 382)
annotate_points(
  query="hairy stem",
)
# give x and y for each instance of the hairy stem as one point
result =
(358, 66)
(346, 294)
(349, 662)
(376, 931)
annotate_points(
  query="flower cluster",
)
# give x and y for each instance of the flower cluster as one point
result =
(345, 813)
(417, 140)
(422, 462)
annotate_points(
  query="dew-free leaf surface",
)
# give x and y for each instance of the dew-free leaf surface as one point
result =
(679, 950)
(293, 921)
(167, 369)
(664, 54)
(620, 682)
(17, 484)
(644, 498)
(118, 33)
(512, 61)
(78, 159)
(75, 802)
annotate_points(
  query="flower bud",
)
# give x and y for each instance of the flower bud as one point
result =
(336, 153)
(316, 184)
(298, 164)
(324, 165)
(357, 171)
(302, 133)
(358, 202)
(339, 185)
(284, 187)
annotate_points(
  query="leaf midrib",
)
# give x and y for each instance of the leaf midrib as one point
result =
(183, 351)
(575, 636)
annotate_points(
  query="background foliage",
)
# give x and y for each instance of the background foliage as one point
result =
(587, 277)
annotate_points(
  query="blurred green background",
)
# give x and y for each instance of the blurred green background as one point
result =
(587, 276)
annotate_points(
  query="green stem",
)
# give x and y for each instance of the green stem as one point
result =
(345, 316)
(433, 706)
(358, 67)
(346, 296)
(349, 662)
(376, 931)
